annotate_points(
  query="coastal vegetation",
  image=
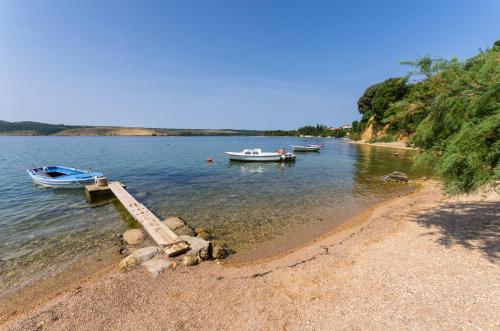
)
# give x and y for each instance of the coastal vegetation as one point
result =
(320, 130)
(46, 129)
(33, 128)
(448, 108)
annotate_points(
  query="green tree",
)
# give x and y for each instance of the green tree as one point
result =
(377, 98)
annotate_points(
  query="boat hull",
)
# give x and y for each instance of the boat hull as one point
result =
(306, 148)
(254, 158)
(74, 178)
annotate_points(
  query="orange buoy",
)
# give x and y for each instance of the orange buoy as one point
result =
(210, 160)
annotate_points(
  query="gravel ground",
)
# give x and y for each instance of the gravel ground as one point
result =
(421, 261)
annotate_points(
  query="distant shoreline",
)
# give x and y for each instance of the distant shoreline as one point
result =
(46, 129)
(395, 144)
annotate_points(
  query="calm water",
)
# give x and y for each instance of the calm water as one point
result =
(42, 230)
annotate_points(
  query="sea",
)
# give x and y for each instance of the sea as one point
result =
(258, 209)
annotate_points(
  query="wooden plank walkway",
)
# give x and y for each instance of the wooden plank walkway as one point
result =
(161, 234)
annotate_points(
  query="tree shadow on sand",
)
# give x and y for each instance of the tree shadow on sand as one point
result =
(473, 225)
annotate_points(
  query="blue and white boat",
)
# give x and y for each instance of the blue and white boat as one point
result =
(56, 176)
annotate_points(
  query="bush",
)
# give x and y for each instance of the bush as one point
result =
(453, 114)
(387, 138)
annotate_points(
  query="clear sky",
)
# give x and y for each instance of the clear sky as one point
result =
(219, 64)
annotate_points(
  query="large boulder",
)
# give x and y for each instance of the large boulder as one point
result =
(199, 246)
(156, 266)
(133, 236)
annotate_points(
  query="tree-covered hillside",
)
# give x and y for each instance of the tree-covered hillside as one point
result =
(320, 130)
(45, 129)
(450, 109)
(33, 128)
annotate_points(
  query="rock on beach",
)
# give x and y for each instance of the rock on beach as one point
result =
(137, 257)
(190, 260)
(199, 246)
(157, 265)
(219, 250)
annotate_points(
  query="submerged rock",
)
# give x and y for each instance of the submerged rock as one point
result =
(202, 233)
(185, 231)
(179, 226)
(396, 176)
(133, 236)
(156, 266)
(174, 222)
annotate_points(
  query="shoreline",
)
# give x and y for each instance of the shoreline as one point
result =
(106, 261)
(334, 271)
(395, 144)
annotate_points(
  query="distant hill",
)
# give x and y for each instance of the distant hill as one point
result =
(45, 129)
(32, 128)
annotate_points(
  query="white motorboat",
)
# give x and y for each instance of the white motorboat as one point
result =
(257, 155)
(307, 148)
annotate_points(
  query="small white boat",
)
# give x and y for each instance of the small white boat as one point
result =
(57, 176)
(307, 148)
(257, 155)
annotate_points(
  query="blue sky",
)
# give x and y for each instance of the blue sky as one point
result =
(219, 64)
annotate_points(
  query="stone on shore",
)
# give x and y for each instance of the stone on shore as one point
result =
(179, 226)
(146, 253)
(199, 246)
(190, 260)
(156, 266)
(128, 263)
(133, 236)
(219, 250)
(137, 257)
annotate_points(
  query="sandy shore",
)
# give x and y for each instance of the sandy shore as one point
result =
(421, 261)
(394, 144)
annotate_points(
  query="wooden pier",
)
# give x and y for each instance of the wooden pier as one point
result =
(161, 234)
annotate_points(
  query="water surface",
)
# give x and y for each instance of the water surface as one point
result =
(246, 204)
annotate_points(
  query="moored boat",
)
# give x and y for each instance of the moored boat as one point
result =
(257, 155)
(307, 148)
(57, 176)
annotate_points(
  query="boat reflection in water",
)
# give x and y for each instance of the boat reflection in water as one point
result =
(251, 168)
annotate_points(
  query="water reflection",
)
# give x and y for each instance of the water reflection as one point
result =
(373, 163)
(250, 168)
